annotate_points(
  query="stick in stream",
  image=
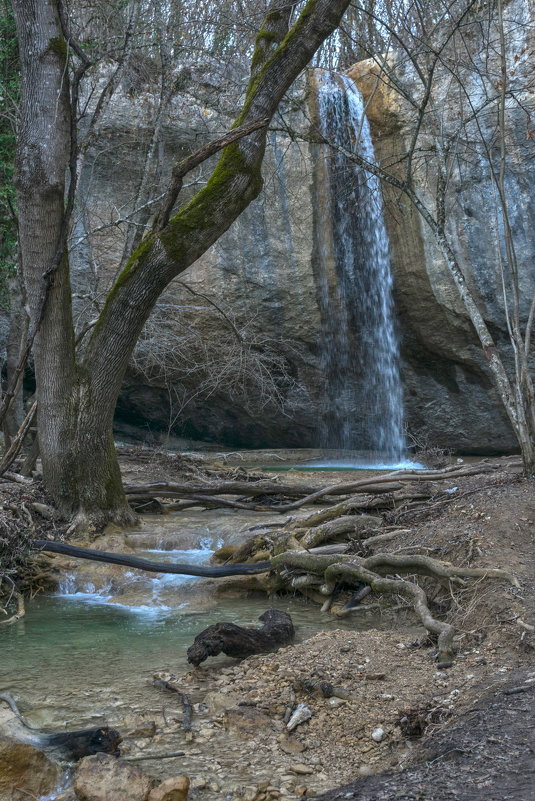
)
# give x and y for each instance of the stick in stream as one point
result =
(187, 709)
(154, 756)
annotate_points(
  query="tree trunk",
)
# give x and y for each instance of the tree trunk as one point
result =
(80, 467)
(15, 345)
(84, 479)
(76, 400)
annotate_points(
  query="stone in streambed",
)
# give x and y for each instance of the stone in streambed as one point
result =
(25, 772)
(171, 790)
(104, 778)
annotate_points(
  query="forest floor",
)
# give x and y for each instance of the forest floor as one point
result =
(404, 729)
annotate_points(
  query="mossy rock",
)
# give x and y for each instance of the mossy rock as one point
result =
(224, 554)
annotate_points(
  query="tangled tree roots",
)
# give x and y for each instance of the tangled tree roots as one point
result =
(352, 570)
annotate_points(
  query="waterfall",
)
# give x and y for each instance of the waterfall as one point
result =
(363, 403)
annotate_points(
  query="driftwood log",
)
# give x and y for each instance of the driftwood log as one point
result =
(151, 567)
(212, 494)
(236, 641)
(68, 745)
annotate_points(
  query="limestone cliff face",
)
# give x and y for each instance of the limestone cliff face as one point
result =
(261, 274)
(447, 386)
(190, 372)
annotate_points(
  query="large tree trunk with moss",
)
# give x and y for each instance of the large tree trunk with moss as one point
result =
(77, 395)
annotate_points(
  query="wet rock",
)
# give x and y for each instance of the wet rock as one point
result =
(25, 772)
(223, 554)
(139, 728)
(219, 702)
(103, 778)
(171, 790)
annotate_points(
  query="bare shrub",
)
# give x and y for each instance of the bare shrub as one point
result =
(430, 455)
(199, 351)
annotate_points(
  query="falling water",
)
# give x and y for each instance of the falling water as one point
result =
(363, 399)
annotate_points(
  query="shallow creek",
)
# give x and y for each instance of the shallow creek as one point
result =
(86, 655)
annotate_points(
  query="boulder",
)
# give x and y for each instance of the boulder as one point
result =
(25, 772)
(104, 778)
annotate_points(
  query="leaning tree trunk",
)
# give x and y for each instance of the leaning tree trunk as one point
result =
(76, 399)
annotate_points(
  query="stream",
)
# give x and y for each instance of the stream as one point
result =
(86, 655)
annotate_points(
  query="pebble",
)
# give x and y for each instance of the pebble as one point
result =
(198, 784)
(378, 734)
(335, 702)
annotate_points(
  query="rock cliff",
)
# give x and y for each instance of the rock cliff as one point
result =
(249, 313)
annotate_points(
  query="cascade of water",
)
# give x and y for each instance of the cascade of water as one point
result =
(363, 399)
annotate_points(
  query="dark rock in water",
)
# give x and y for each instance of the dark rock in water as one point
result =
(233, 640)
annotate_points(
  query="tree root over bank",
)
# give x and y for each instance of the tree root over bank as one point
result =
(353, 570)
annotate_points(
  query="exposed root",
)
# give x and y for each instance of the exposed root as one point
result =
(87, 523)
(352, 570)
(21, 611)
(348, 524)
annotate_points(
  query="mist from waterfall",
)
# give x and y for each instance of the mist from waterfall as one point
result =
(363, 403)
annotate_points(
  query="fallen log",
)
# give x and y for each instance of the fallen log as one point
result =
(239, 642)
(209, 494)
(177, 568)
(364, 484)
(69, 745)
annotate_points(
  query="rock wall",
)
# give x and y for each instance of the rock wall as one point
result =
(448, 389)
(261, 276)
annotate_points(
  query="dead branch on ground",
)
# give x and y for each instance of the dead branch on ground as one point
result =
(168, 682)
(210, 493)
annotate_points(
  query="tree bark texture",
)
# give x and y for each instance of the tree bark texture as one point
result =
(76, 398)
